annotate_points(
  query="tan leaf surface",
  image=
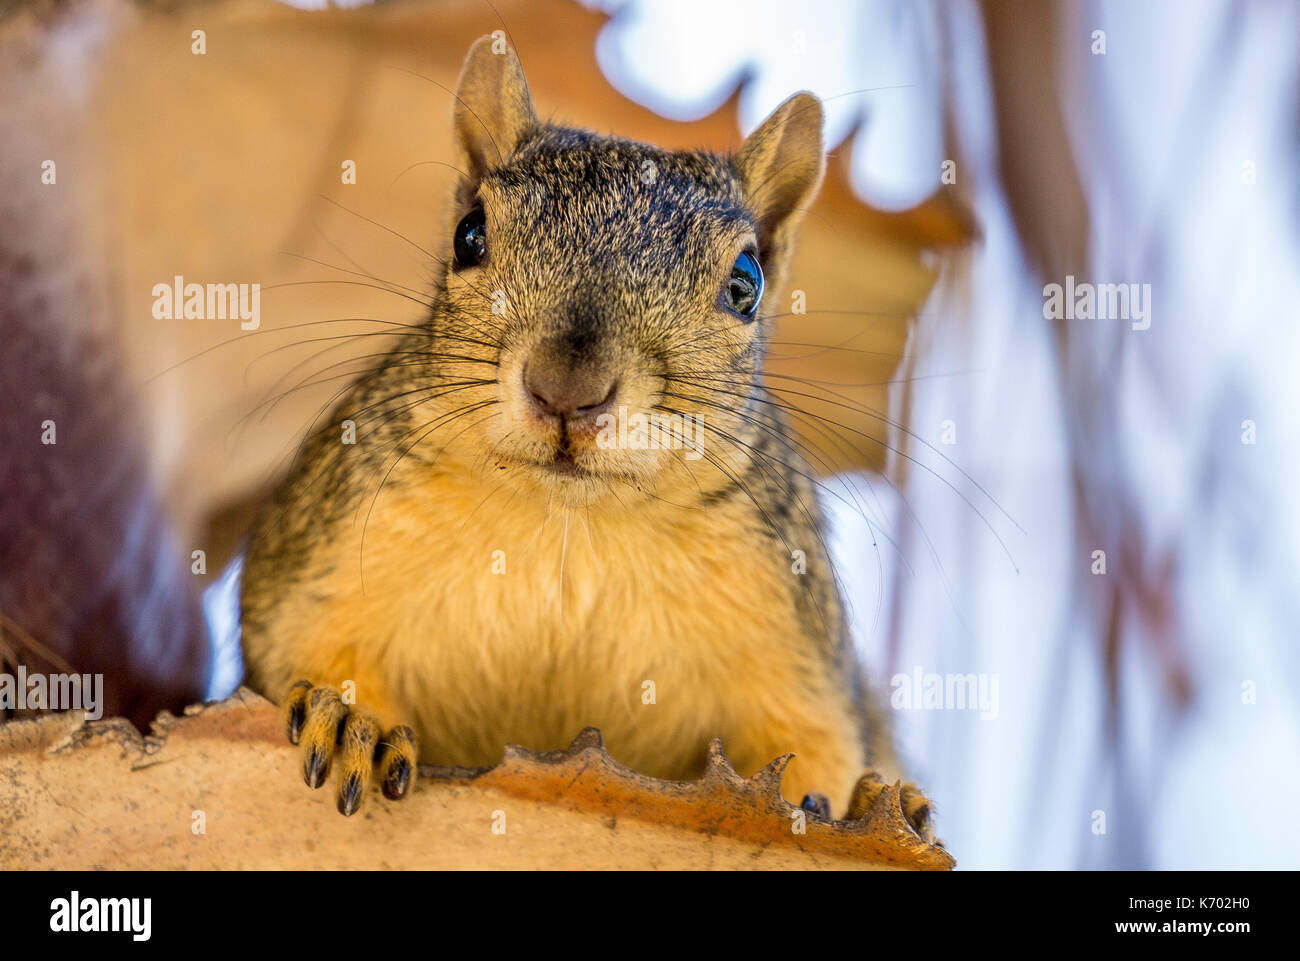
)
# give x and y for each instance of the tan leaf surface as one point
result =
(97, 795)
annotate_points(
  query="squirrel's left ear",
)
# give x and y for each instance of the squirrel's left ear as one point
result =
(493, 112)
(780, 166)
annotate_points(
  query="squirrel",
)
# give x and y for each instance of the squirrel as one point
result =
(491, 561)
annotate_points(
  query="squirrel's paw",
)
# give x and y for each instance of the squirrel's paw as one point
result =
(317, 718)
(916, 806)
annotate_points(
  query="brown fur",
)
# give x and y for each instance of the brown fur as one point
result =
(377, 561)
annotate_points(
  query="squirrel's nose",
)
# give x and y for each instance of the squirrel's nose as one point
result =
(561, 391)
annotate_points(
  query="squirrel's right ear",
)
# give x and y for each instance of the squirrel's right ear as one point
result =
(493, 112)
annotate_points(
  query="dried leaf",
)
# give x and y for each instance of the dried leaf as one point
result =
(98, 795)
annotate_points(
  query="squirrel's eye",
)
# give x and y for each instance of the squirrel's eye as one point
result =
(744, 287)
(470, 241)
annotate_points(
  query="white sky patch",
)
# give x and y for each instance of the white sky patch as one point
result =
(871, 61)
(221, 608)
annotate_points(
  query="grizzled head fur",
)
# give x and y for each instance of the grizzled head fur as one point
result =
(592, 271)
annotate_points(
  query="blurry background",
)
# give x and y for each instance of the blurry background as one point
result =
(978, 455)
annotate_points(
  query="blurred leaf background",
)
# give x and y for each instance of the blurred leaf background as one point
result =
(978, 454)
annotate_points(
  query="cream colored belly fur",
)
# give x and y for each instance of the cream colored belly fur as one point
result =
(589, 609)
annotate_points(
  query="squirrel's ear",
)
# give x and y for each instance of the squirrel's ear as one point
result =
(493, 113)
(780, 166)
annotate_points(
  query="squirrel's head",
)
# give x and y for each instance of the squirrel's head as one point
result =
(623, 292)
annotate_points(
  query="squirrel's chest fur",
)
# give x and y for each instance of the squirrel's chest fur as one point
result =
(485, 622)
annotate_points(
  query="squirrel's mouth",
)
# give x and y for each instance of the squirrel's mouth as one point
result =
(559, 464)
(564, 465)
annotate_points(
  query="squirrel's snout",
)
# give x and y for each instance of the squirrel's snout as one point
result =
(575, 395)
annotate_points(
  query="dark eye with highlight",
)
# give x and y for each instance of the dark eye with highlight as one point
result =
(470, 240)
(744, 288)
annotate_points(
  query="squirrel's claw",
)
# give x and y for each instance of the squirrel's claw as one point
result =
(326, 727)
(397, 762)
(916, 806)
(818, 804)
(295, 709)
